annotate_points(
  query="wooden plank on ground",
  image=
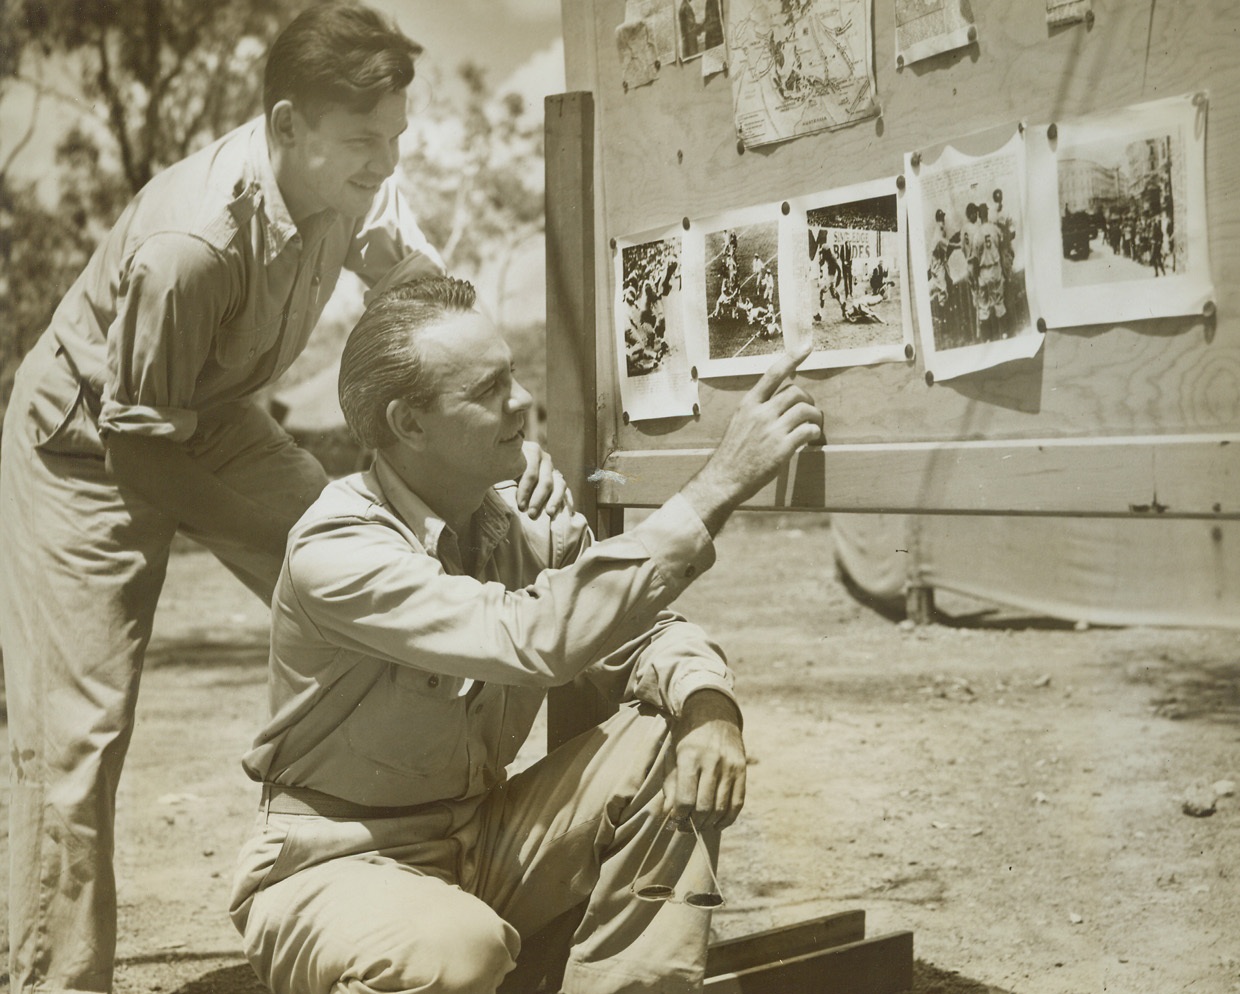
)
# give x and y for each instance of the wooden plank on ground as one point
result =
(787, 942)
(882, 965)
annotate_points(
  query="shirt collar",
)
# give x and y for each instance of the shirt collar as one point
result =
(280, 227)
(491, 521)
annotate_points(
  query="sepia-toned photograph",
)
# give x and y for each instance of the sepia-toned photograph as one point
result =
(855, 288)
(471, 522)
(1129, 239)
(648, 309)
(742, 298)
(1118, 208)
(976, 272)
(693, 17)
(651, 277)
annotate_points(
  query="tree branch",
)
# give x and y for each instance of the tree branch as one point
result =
(116, 110)
(42, 89)
(25, 138)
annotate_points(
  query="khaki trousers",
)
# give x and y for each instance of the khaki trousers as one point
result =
(440, 901)
(83, 564)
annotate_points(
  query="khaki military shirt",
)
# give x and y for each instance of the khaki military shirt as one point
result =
(398, 678)
(204, 292)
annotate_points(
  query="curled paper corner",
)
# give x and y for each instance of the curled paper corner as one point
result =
(608, 475)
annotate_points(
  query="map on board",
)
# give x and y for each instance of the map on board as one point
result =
(799, 66)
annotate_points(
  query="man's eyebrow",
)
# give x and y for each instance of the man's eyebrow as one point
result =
(489, 380)
(369, 131)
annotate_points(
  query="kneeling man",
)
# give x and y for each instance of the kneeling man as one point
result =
(417, 624)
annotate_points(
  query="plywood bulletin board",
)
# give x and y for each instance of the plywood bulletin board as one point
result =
(1134, 419)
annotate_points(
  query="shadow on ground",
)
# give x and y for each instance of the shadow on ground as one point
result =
(988, 617)
(225, 980)
(927, 979)
(930, 979)
(205, 652)
(1194, 688)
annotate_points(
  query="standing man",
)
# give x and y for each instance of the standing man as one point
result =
(416, 627)
(690, 31)
(133, 418)
(970, 246)
(991, 285)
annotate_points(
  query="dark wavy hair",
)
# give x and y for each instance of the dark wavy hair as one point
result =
(337, 53)
(381, 362)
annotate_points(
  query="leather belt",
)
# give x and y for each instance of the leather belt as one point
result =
(279, 799)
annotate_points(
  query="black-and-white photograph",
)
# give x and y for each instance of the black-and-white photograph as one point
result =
(695, 20)
(651, 277)
(1119, 208)
(975, 268)
(854, 286)
(742, 297)
(1129, 236)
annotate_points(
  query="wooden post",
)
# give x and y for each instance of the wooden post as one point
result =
(572, 428)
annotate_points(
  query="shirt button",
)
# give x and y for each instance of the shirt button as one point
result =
(432, 681)
(316, 280)
(250, 354)
(690, 571)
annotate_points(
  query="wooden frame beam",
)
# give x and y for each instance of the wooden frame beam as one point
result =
(1172, 476)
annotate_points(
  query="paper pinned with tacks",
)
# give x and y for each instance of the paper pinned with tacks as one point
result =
(1122, 230)
(797, 69)
(652, 361)
(969, 253)
(925, 28)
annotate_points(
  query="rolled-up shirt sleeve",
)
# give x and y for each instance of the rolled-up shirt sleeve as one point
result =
(357, 582)
(173, 296)
(388, 247)
(664, 666)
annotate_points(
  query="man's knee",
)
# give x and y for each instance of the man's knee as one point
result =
(454, 954)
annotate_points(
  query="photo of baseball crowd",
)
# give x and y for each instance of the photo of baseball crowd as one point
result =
(651, 276)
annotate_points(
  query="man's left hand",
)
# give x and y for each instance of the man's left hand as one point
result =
(707, 782)
(541, 487)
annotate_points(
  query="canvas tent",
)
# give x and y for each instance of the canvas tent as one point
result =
(1115, 571)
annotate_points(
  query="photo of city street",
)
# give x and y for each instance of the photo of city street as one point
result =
(1119, 212)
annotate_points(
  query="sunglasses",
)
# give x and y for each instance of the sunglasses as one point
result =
(647, 887)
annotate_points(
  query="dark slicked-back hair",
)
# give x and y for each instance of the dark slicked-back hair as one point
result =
(337, 53)
(381, 361)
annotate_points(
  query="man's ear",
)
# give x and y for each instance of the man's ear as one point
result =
(402, 419)
(282, 124)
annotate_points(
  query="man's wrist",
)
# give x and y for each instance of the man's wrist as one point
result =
(709, 704)
(712, 498)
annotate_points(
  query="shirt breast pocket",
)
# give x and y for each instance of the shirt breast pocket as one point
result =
(237, 346)
(411, 722)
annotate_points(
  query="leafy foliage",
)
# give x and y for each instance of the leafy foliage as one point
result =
(474, 174)
(166, 78)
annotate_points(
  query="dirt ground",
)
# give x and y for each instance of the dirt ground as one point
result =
(1008, 788)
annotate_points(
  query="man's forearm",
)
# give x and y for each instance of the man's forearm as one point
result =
(163, 473)
(712, 497)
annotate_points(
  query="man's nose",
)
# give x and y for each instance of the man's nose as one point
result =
(384, 162)
(520, 399)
